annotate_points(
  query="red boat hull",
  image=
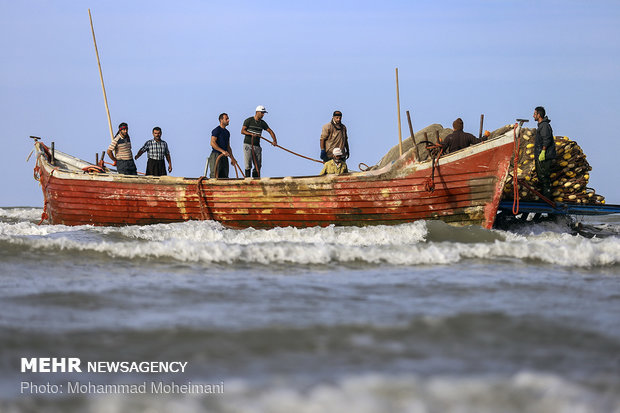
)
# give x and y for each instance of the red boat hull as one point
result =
(467, 190)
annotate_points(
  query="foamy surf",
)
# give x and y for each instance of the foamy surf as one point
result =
(373, 393)
(28, 214)
(418, 243)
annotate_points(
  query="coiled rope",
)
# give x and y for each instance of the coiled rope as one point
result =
(435, 150)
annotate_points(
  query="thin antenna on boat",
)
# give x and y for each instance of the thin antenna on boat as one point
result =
(400, 134)
(105, 98)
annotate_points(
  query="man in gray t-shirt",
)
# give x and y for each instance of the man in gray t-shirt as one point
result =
(252, 152)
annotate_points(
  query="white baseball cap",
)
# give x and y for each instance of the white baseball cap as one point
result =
(337, 152)
(261, 108)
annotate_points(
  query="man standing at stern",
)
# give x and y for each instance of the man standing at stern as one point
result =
(119, 152)
(156, 149)
(251, 130)
(334, 135)
(544, 150)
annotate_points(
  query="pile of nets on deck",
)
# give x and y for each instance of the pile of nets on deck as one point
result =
(569, 171)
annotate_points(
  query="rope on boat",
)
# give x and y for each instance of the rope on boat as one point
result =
(93, 169)
(435, 150)
(44, 214)
(294, 153)
(235, 165)
(515, 180)
(202, 200)
(254, 158)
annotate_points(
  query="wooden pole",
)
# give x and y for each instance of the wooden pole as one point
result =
(400, 134)
(481, 123)
(415, 145)
(105, 98)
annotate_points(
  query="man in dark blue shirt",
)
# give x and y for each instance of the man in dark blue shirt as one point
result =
(220, 142)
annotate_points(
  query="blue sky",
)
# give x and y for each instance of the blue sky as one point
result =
(179, 65)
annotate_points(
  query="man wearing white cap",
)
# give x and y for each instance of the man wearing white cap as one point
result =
(251, 130)
(336, 165)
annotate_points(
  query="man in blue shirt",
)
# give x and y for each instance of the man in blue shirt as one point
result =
(220, 142)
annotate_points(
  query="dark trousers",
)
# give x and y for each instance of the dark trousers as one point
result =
(543, 169)
(156, 167)
(126, 167)
(222, 166)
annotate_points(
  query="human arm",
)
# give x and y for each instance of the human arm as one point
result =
(169, 162)
(231, 156)
(112, 157)
(245, 131)
(546, 135)
(145, 148)
(111, 150)
(217, 147)
(546, 140)
(273, 136)
(323, 141)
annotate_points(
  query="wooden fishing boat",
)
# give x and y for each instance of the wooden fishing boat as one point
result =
(463, 188)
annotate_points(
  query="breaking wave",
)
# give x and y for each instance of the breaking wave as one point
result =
(418, 243)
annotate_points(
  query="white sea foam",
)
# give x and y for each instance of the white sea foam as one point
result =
(21, 213)
(209, 242)
(211, 231)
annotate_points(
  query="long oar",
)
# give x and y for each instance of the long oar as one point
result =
(105, 98)
(289, 151)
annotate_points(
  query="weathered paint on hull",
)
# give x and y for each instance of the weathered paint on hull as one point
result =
(467, 192)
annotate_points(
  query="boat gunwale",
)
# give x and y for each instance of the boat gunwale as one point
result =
(400, 168)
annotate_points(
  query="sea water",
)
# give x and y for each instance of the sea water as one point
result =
(420, 317)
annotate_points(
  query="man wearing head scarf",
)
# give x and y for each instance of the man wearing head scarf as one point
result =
(120, 151)
(459, 139)
(334, 135)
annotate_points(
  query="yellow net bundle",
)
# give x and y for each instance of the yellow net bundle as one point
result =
(570, 172)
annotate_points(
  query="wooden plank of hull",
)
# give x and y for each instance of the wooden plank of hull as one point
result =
(334, 199)
(465, 198)
(169, 211)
